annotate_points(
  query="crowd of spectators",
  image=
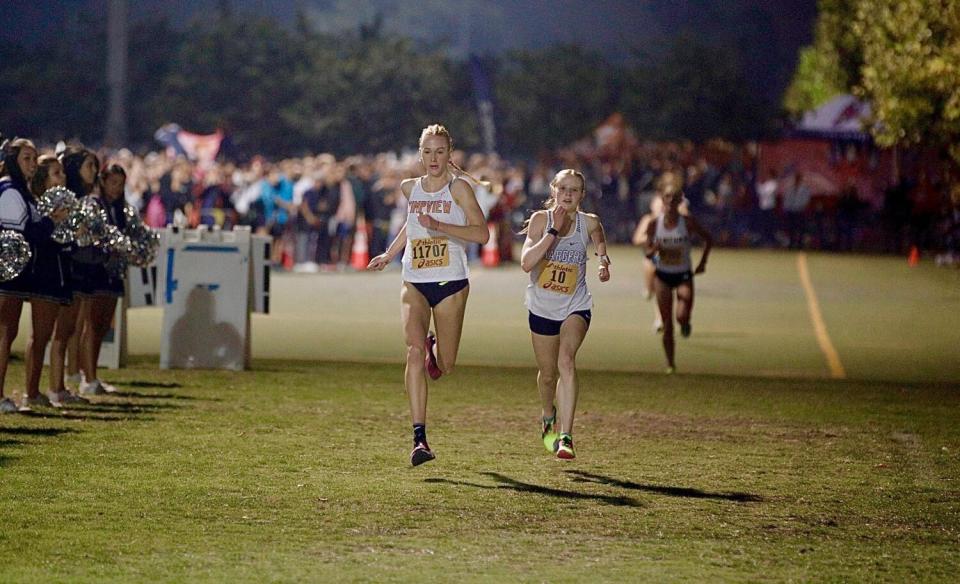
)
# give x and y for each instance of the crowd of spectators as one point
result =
(313, 205)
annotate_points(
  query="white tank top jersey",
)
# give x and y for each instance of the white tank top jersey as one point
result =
(674, 255)
(432, 256)
(558, 285)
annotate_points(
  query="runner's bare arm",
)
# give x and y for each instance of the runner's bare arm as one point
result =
(599, 238)
(476, 228)
(537, 243)
(399, 242)
(707, 242)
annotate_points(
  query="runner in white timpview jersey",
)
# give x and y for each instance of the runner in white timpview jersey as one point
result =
(442, 216)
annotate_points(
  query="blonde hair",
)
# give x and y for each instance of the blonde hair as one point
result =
(441, 130)
(552, 199)
(436, 130)
(670, 182)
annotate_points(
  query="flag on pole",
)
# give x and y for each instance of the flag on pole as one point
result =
(199, 148)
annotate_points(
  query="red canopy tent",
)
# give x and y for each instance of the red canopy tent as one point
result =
(832, 149)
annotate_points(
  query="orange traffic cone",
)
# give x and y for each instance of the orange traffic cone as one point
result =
(914, 258)
(491, 249)
(360, 253)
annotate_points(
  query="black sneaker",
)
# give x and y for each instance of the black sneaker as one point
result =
(685, 329)
(421, 454)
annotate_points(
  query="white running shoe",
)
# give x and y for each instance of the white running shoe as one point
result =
(108, 387)
(64, 397)
(27, 403)
(7, 406)
(92, 388)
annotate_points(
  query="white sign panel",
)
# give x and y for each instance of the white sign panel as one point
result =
(204, 284)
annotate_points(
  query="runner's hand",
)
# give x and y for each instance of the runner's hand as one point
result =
(428, 222)
(560, 219)
(379, 262)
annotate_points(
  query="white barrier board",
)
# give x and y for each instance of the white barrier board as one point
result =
(203, 279)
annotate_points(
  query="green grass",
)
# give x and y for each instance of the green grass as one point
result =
(299, 471)
(750, 466)
(887, 321)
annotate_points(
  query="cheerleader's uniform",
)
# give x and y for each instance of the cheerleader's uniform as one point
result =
(91, 275)
(46, 276)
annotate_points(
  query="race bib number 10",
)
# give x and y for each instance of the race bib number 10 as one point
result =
(431, 252)
(559, 277)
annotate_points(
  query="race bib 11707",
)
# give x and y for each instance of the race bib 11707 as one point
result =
(430, 252)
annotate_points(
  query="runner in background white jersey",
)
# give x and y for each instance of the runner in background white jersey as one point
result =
(668, 244)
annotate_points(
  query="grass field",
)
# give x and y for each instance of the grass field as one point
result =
(752, 465)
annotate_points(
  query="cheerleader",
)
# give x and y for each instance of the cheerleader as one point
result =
(38, 282)
(50, 173)
(81, 168)
(100, 281)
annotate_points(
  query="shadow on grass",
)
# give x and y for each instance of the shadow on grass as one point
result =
(134, 394)
(36, 431)
(45, 432)
(586, 477)
(129, 407)
(519, 486)
(150, 384)
(87, 415)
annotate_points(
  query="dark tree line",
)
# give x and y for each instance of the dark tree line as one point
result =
(288, 90)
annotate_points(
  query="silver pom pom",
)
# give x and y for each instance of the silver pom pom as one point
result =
(93, 224)
(132, 216)
(14, 254)
(55, 198)
(114, 241)
(144, 244)
(116, 266)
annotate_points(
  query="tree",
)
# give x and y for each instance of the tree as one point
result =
(366, 93)
(693, 91)
(154, 43)
(56, 91)
(238, 71)
(818, 78)
(551, 97)
(911, 71)
(832, 64)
